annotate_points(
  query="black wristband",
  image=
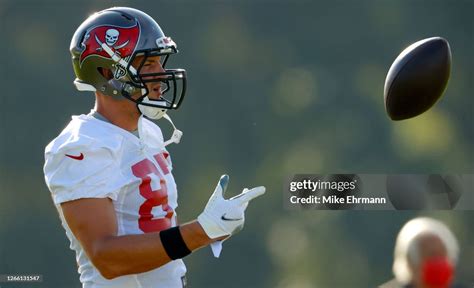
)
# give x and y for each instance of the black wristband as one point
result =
(173, 243)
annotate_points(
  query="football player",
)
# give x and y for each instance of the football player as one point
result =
(109, 172)
(426, 254)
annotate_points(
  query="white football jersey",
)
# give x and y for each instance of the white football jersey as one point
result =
(92, 158)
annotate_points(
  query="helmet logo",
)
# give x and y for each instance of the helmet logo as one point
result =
(111, 37)
(165, 42)
(121, 71)
(122, 41)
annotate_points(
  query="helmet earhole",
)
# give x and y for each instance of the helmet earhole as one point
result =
(106, 73)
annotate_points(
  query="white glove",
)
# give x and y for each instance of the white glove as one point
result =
(223, 217)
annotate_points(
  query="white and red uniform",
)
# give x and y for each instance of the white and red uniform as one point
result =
(92, 158)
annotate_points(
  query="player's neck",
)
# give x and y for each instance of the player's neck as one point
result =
(122, 114)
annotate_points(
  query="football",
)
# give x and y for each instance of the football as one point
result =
(417, 78)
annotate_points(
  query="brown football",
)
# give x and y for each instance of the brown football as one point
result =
(417, 78)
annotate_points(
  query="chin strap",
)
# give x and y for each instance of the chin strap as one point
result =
(176, 137)
(151, 112)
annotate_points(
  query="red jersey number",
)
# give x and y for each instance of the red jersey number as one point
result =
(154, 198)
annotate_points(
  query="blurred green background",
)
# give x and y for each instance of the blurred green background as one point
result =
(275, 88)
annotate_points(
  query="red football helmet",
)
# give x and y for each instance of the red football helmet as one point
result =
(111, 40)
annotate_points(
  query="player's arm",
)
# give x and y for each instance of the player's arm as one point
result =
(94, 224)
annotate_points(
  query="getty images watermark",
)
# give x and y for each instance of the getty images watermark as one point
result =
(379, 192)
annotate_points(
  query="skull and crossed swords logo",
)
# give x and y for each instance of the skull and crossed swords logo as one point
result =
(111, 38)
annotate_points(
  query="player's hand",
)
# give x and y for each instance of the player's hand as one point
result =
(225, 217)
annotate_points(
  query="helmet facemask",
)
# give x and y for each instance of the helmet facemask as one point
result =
(172, 82)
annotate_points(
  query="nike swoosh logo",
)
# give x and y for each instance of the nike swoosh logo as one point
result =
(80, 157)
(230, 219)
